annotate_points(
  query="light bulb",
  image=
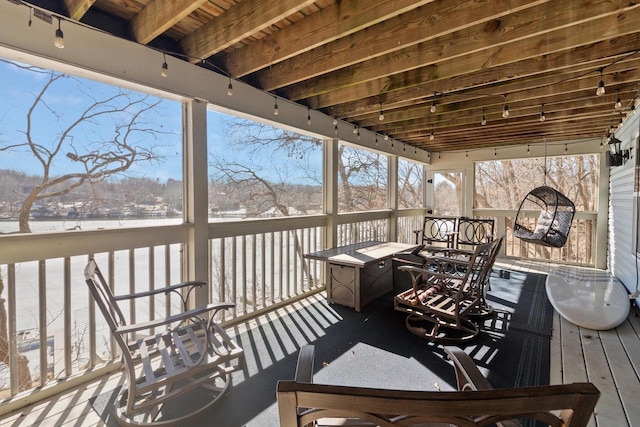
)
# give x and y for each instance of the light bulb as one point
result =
(432, 136)
(386, 137)
(600, 90)
(275, 108)
(542, 117)
(381, 116)
(58, 40)
(505, 111)
(355, 129)
(618, 103)
(230, 89)
(433, 108)
(165, 70)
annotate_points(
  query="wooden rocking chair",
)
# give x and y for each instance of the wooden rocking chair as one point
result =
(169, 357)
(304, 404)
(443, 298)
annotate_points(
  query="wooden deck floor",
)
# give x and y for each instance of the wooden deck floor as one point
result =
(609, 359)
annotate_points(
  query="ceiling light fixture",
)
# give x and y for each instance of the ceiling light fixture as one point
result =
(58, 40)
(600, 90)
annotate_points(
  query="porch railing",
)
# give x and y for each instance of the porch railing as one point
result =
(54, 332)
(579, 249)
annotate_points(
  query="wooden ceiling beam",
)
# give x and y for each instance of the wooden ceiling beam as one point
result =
(478, 67)
(241, 21)
(426, 23)
(77, 8)
(160, 15)
(578, 91)
(539, 85)
(331, 23)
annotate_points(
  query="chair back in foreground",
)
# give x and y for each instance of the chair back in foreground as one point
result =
(302, 403)
(167, 358)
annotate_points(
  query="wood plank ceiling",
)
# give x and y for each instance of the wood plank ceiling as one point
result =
(388, 65)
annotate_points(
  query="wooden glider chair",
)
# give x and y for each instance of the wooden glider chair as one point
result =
(169, 357)
(442, 300)
(303, 404)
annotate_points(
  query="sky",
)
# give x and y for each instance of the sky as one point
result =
(69, 97)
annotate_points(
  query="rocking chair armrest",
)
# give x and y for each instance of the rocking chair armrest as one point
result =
(304, 367)
(213, 307)
(468, 375)
(164, 290)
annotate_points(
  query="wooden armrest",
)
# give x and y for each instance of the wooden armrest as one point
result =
(164, 290)
(214, 307)
(468, 375)
(304, 368)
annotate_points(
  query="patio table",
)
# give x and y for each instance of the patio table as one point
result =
(359, 273)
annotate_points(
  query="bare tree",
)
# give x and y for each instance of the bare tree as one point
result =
(102, 138)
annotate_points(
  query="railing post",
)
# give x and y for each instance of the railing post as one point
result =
(196, 200)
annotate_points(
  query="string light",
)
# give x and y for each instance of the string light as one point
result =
(355, 129)
(58, 40)
(618, 104)
(230, 88)
(505, 110)
(376, 140)
(432, 136)
(335, 121)
(495, 152)
(381, 116)
(543, 117)
(483, 122)
(433, 107)
(386, 137)
(566, 148)
(275, 106)
(309, 116)
(528, 148)
(165, 68)
(600, 90)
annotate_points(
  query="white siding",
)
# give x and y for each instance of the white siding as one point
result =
(621, 257)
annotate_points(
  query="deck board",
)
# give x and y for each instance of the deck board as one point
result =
(609, 359)
(621, 371)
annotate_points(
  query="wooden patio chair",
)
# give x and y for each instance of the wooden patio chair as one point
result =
(301, 403)
(441, 300)
(169, 357)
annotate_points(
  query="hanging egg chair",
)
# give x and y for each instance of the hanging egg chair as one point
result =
(554, 221)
